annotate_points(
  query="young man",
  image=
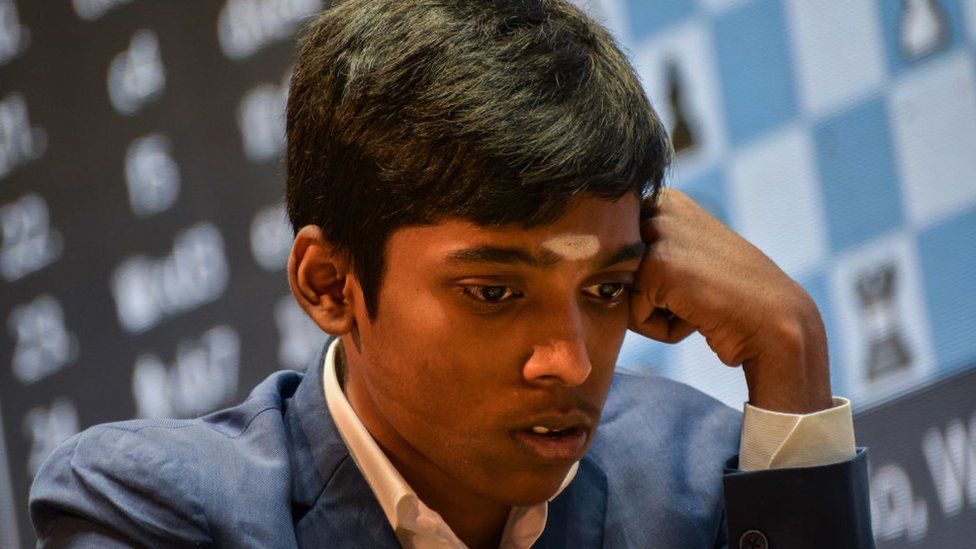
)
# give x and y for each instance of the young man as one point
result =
(475, 188)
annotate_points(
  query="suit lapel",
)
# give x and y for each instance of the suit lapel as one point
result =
(346, 515)
(332, 505)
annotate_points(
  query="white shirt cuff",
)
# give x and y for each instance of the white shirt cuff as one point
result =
(773, 440)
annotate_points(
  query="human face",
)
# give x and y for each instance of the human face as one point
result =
(483, 333)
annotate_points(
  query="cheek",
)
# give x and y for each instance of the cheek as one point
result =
(605, 328)
(605, 335)
(426, 364)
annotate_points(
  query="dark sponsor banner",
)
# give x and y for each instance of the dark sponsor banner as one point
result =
(923, 465)
(142, 227)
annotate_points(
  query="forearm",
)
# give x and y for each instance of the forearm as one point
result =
(791, 371)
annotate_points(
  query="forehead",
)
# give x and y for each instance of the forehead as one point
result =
(590, 227)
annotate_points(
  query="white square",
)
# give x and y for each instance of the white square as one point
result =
(933, 120)
(863, 321)
(838, 51)
(696, 364)
(690, 48)
(776, 202)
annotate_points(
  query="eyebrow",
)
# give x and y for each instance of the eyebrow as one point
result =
(630, 251)
(511, 256)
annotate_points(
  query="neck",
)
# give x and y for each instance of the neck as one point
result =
(477, 521)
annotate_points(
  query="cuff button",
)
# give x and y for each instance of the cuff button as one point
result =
(753, 539)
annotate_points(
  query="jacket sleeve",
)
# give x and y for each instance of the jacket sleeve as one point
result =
(112, 487)
(799, 508)
(78, 533)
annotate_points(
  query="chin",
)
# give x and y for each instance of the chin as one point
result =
(532, 489)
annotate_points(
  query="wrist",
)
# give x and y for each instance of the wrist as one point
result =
(791, 372)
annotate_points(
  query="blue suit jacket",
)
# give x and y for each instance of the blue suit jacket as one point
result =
(274, 472)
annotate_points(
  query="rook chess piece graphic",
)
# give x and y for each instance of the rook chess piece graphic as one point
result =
(887, 351)
(922, 29)
(682, 134)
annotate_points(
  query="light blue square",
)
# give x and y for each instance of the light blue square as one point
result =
(647, 17)
(947, 252)
(755, 69)
(643, 354)
(859, 182)
(708, 190)
(891, 19)
(816, 285)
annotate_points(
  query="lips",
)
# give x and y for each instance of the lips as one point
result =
(562, 446)
(557, 438)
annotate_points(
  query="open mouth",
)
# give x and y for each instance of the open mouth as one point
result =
(551, 444)
(553, 433)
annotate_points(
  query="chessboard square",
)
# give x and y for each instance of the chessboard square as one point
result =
(839, 51)
(933, 119)
(650, 16)
(947, 253)
(717, 6)
(857, 171)
(677, 69)
(935, 30)
(775, 200)
(709, 191)
(755, 68)
(883, 342)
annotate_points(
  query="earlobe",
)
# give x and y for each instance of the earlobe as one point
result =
(321, 281)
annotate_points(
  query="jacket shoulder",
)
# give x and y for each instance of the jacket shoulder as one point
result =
(166, 482)
(663, 446)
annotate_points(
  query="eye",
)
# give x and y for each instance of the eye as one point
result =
(490, 294)
(611, 292)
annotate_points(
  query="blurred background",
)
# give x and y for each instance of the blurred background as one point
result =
(143, 237)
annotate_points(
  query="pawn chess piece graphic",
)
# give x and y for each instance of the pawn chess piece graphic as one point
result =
(683, 135)
(887, 351)
(923, 28)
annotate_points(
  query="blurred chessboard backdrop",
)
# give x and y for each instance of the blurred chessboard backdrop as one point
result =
(143, 235)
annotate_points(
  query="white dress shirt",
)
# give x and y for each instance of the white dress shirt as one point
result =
(769, 440)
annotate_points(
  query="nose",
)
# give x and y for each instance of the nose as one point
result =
(561, 358)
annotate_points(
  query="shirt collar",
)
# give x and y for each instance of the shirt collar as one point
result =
(399, 502)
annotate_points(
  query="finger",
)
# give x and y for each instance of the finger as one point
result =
(645, 316)
(653, 208)
(652, 319)
(662, 326)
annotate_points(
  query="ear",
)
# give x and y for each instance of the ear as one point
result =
(322, 282)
